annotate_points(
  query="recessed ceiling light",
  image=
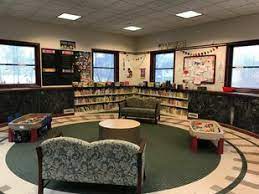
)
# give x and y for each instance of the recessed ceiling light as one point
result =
(68, 16)
(132, 28)
(188, 14)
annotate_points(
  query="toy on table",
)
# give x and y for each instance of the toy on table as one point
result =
(32, 123)
(207, 130)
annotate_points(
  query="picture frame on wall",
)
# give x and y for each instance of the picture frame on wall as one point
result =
(200, 69)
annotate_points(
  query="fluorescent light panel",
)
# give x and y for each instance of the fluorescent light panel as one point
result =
(188, 14)
(68, 16)
(132, 28)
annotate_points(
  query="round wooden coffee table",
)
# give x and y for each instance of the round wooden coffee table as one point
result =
(123, 129)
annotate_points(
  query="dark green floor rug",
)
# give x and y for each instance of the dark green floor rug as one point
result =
(169, 161)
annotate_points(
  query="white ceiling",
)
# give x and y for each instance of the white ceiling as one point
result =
(112, 15)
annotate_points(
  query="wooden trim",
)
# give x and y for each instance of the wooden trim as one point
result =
(152, 68)
(139, 166)
(229, 64)
(37, 63)
(40, 180)
(241, 130)
(34, 88)
(116, 62)
(153, 63)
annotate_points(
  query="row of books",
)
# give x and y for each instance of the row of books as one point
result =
(174, 102)
(80, 101)
(164, 93)
(102, 91)
(96, 107)
(174, 111)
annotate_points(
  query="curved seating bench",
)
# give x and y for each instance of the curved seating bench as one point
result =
(111, 162)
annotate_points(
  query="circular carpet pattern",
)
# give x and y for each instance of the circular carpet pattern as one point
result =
(169, 161)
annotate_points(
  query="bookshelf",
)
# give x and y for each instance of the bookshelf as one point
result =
(173, 102)
(106, 99)
(100, 99)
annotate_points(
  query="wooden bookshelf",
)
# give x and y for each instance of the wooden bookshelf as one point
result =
(100, 99)
(103, 99)
(173, 102)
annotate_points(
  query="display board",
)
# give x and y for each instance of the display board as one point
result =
(57, 67)
(199, 69)
(82, 67)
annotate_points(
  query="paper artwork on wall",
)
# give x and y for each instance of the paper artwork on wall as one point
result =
(129, 75)
(200, 69)
(142, 73)
(84, 66)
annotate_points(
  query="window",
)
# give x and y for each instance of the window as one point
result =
(18, 63)
(162, 66)
(244, 66)
(105, 66)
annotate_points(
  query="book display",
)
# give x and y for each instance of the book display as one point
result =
(98, 99)
(172, 101)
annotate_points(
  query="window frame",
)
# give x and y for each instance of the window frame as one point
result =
(229, 64)
(153, 63)
(36, 46)
(116, 62)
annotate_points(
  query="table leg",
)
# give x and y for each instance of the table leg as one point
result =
(34, 135)
(10, 135)
(49, 125)
(194, 144)
(221, 146)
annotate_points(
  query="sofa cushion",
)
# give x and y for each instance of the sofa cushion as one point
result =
(149, 103)
(134, 102)
(138, 111)
(101, 162)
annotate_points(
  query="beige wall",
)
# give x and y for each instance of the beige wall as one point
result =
(135, 62)
(237, 29)
(49, 35)
(219, 73)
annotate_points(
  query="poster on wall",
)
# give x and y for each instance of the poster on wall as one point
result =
(199, 69)
(83, 67)
(142, 73)
(67, 45)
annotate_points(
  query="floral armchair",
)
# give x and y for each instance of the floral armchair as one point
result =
(112, 162)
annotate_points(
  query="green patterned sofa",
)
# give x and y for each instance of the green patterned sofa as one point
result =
(140, 107)
(111, 162)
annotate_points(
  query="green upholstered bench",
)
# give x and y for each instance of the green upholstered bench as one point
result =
(140, 108)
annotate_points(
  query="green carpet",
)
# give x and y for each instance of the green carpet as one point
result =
(169, 161)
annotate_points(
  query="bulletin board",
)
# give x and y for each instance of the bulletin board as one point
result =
(200, 69)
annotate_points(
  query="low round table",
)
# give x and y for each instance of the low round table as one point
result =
(123, 129)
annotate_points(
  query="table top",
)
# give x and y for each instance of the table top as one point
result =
(206, 129)
(119, 124)
(32, 120)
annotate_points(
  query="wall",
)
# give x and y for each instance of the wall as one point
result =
(231, 30)
(135, 62)
(236, 29)
(49, 35)
(219, 73)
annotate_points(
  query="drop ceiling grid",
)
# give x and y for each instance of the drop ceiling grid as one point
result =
(113, 15)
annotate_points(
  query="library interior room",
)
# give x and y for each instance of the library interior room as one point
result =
(129, 97)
